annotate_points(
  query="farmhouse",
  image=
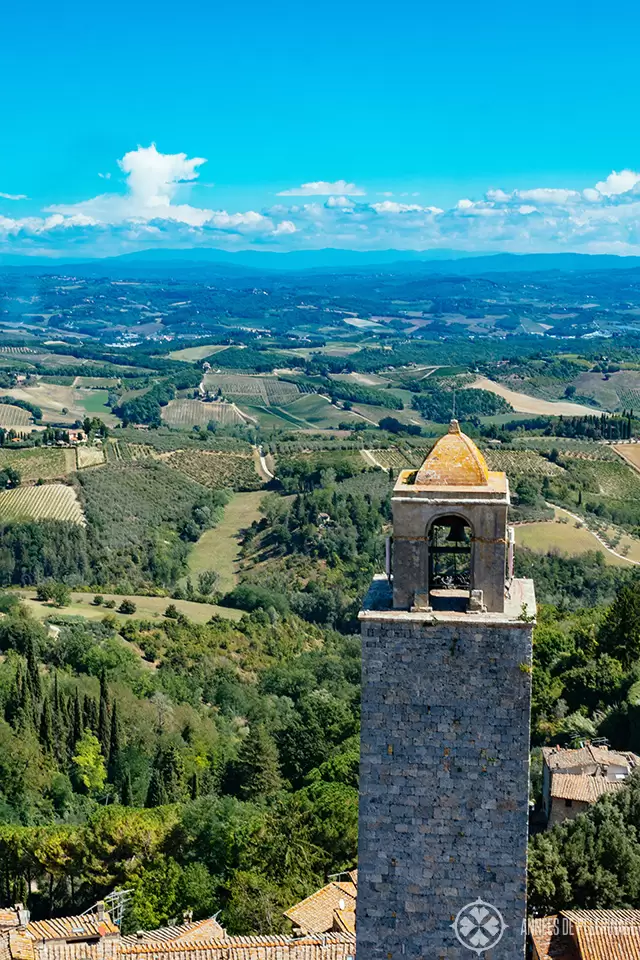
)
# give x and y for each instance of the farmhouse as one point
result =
(572, 780)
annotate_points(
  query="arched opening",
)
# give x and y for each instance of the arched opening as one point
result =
(450, 548)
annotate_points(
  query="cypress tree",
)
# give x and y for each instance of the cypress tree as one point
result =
(76, 722)
(194, 786)
(114, 744)
(156, 794)
(33, 673)
(46, 727)
(14, 701)
(126, 790)
(89, 714)
(104, 720)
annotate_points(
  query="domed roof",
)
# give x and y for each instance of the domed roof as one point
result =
(454, 460)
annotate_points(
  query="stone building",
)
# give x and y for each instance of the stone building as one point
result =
(573, 780)
(444, 779)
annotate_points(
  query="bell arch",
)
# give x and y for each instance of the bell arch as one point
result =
(450, 558)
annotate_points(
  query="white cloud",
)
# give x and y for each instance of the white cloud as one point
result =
(392, 206)
(152, 208)
(618, 183)
(285, 226)
(322, 188)
(340, 202)
(14, 196)
(105, 176)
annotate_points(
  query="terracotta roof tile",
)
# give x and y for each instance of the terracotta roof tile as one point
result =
(208, 929)
(581, 786)
(316, 913)
(320, 947)
(72, 928)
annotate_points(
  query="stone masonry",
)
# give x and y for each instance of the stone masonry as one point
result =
(444, 775)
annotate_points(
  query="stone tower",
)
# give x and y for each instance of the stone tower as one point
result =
(446, 690)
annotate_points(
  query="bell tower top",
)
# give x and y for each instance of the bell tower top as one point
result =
(450, 536)
(454, 459)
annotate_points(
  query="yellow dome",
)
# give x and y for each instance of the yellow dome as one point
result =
(454, 460)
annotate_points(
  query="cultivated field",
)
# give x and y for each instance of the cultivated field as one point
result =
(236, 471)
(522, 403)
(11, 416)
(39, 463)
(65, 404)
(630, 452)
(266, 390)
(192, 413)
(518, 462)
(51, 501)
(190, 354)
(614, 391)
(90, 457)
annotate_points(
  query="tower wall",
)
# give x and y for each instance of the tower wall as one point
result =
(444, 777)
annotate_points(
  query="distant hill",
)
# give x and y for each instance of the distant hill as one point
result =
(401, 261)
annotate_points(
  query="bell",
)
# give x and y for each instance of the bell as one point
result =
(457, 532)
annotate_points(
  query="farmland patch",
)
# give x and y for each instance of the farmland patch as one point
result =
(234, 471)
(90, 457)
(39, 463)
(51, 501)
(191, 413)
(11, 416)
(261, 390)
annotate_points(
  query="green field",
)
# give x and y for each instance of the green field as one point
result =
(148, 608)
(190, 354)
(93, 402)
(218, 549)
(39, 463)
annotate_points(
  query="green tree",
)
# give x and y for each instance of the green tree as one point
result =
(620, 636)
(104, 720)
(46, 727)
(89, 763)
(256, 772)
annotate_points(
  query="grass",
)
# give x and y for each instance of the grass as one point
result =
(51, 501)
(148, 608)
(218, 549)
(93, 402)
(39, 463)
(563, 538)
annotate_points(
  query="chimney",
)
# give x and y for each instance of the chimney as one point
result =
(140, 934)
(100, 910)
(23, 915)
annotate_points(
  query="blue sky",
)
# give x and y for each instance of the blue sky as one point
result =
(512, 109)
